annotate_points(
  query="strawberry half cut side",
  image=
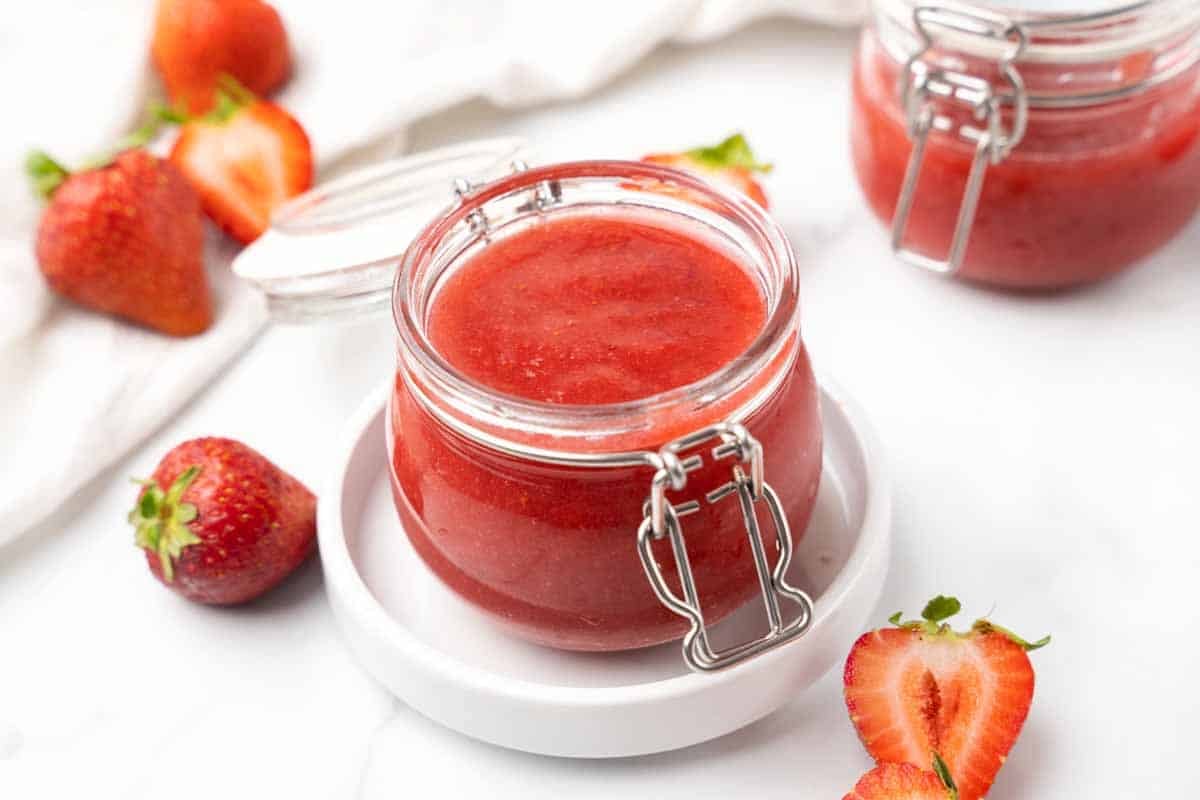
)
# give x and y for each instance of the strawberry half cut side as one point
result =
(921, 687)
(245, 158)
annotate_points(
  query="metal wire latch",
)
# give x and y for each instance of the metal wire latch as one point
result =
(922, 85)
(662, 519)
(544, 196)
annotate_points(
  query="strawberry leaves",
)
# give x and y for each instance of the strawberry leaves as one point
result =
(936, 611)
(229, 97)
(733, 152)
(942, 608)
(160, 520)
(45, 173)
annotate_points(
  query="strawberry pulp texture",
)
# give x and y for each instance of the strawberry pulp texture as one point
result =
(588, 311)
(585, 310)
(1085, 194)
(900, 782)
(244, 163)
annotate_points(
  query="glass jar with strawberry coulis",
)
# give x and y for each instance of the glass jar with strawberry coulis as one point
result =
(1029, 145)
(595, 357)
(603, 428)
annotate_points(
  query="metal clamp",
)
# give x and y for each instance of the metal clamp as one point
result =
(661, 518)
(922, 85)
(477, 221)
(544, 196)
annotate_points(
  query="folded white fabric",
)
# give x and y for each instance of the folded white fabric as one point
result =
(77, 389)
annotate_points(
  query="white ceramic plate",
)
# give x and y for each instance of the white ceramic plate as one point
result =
(447, 661)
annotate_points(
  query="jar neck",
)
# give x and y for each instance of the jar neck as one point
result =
(1065, 60)
(615, 188)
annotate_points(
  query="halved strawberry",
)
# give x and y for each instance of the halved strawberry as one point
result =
(245, 158)
(921, 687)
(731, 163)
(906, 782)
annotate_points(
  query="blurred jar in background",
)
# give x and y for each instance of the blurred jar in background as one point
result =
(1030, 149)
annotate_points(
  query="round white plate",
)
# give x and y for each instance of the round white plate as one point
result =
(447, 661)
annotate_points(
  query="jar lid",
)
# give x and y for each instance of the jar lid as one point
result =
(1066, 31)
(333, 251)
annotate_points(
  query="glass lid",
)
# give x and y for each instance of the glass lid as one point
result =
(1067, 31)
(333, 251)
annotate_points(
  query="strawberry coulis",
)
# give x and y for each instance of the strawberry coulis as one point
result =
(587, 310)
(581, 310)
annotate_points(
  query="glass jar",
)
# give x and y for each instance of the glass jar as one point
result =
(567, 523)
(1029, 149)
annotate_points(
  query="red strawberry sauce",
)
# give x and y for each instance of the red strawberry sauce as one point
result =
(588, 310)
(580, 310)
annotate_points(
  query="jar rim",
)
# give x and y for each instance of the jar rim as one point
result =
(1078, 36)
(478, 402)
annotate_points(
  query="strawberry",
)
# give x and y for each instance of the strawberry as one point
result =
(125, 238)
(921, 687)
(230, 525)
(245, 158)
(197, 41)
(731, 163)
(906, 782)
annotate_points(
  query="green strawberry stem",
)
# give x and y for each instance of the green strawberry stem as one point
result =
(943, 772)
(987, 626)
(231, 96)
(46, 173)
(942, 608)
(733, 152)
(237, 92)
(143, 135)
(161, 519)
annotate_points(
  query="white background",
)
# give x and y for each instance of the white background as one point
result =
(1044, 452)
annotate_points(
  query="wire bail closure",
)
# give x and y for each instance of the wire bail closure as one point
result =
(922, 84)
(543, 197)
(661, 518)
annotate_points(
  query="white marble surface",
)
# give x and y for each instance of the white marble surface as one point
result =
(1045, 459)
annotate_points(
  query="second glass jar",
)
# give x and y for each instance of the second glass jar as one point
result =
(1092, 158)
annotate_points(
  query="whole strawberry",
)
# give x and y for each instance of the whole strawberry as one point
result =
(197, 41)
(730, 163)
(245, 157)
(921, 687)
(228, 526)
(906, 782)
(126, 238)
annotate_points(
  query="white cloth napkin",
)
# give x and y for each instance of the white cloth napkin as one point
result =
(77, 390)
